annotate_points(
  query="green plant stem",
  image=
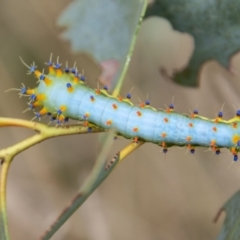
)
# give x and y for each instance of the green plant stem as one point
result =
(130, 52)
(96, 177)
(3, 212)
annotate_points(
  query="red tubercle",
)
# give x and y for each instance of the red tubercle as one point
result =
(190, 124)
(188, 138)
(109, 123)
(214, 129)
(120, 98)
(85, 123)
(114, 106)
(135, 129)
(135, 140)
(213, 145)
(97, 91)
(166, 120)
(163, 135)
(139, 113)
(163, 144)
(142, 105)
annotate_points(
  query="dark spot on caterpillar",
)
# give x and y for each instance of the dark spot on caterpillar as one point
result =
(38, 115)
(171, 106)
(192, 150)
(165, 150)
(2, 161)
(195, 111)
(92, 98)
(42, 77)
(147, 102)
(73, 70)
(217, 152)
(68, 85)
(59, 111)
(220, 114)
(67, 70)
(82, 78)
(33, 97)
(129, 96)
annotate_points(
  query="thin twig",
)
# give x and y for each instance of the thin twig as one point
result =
(96, 177)
(7, 154)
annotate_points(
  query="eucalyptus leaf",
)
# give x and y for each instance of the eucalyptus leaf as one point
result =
(214, 24)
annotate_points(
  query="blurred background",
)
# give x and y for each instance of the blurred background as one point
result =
(150, 195)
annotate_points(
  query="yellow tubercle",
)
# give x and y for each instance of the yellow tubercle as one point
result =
(61, 117)
(63, 108)
(59, 72)
(47, 81)
(41, 97)
(43, 111)
(235, 139)
(30, 91)
(51, 70)
(76, 79)
(37, 73)
(37, 104)
(70, 89)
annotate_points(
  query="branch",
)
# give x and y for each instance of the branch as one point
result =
(6, 155)
(96, 177)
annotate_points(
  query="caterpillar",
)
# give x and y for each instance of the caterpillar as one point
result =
(63, 94)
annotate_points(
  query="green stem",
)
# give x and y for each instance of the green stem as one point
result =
(96, 177)
(130, 52)
(3, 212)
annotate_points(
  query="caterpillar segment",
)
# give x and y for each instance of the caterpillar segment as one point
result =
(63, 94)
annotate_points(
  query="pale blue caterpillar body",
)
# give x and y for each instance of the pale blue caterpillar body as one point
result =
(63, 94)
